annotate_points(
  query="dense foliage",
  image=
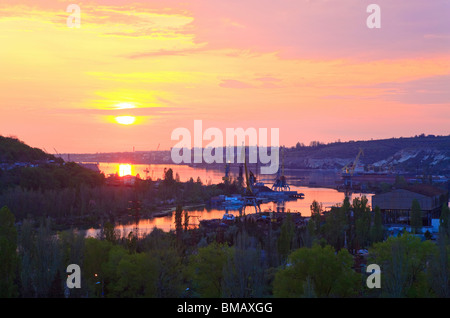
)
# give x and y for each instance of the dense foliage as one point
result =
(241, 260)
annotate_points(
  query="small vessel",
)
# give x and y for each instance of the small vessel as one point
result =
(228, 217)
(233, 201)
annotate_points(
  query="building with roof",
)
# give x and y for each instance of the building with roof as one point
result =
(395, 205)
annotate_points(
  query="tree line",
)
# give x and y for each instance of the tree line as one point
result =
(242, 260)
(81, 197)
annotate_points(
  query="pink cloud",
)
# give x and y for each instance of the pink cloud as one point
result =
(324, 29)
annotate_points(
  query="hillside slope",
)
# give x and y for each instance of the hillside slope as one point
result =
(422, 154)
(32, 168)
(13, 150)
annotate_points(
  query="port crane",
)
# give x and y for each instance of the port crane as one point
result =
(351, 169)
(280, 183)
(154, 159)
(249, 197)
(348, 171)
(57, 153)
(227, 177)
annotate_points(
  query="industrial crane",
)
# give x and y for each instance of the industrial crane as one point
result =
(347, 172)
(280, 182)
(154, 159)
(350, 170)
(249, 197)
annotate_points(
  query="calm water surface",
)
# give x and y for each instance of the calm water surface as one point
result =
(302, 181)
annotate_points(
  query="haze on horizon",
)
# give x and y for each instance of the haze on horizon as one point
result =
(132, 73)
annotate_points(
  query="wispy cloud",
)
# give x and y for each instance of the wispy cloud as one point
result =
(300, 65)
(429, 90)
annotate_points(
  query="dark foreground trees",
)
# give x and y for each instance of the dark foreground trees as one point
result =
(317, 271)
(8, 256)
(241, 260)
(410, 267)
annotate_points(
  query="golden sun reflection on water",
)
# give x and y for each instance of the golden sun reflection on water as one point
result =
(326, 196)
(124, 170)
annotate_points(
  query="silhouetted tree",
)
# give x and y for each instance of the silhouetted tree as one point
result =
(206, 268)
(405, 261)
(377, 230)
(416, 216)
(286, 237)
(8, 255)
(56, 288)
(186, 220)
(362, 221)
(110, 233)
(179, 220)
(330, 274)
(444, 222)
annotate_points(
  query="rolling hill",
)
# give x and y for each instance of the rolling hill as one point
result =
(13, 150)
(420, 154)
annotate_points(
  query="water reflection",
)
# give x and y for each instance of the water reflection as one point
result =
(302, 181)
(328, 198)
(295, 177)
(154, 172)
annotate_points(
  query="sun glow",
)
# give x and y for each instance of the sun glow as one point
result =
(124, 170)
(125, 120)
(125, 106)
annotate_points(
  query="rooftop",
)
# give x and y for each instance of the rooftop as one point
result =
(425, 189)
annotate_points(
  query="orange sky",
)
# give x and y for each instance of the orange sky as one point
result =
(313, 69)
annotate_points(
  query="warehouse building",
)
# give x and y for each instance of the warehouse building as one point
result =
(395, 205)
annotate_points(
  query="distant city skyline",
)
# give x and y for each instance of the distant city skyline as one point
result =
(132, 73)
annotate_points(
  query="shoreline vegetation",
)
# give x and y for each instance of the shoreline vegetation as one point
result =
(38, 185)
(272, 255)
(262, 255)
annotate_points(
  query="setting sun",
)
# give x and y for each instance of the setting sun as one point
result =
(125, 120)
(124, 170)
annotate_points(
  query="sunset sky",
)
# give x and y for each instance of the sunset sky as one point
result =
(311, 68)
